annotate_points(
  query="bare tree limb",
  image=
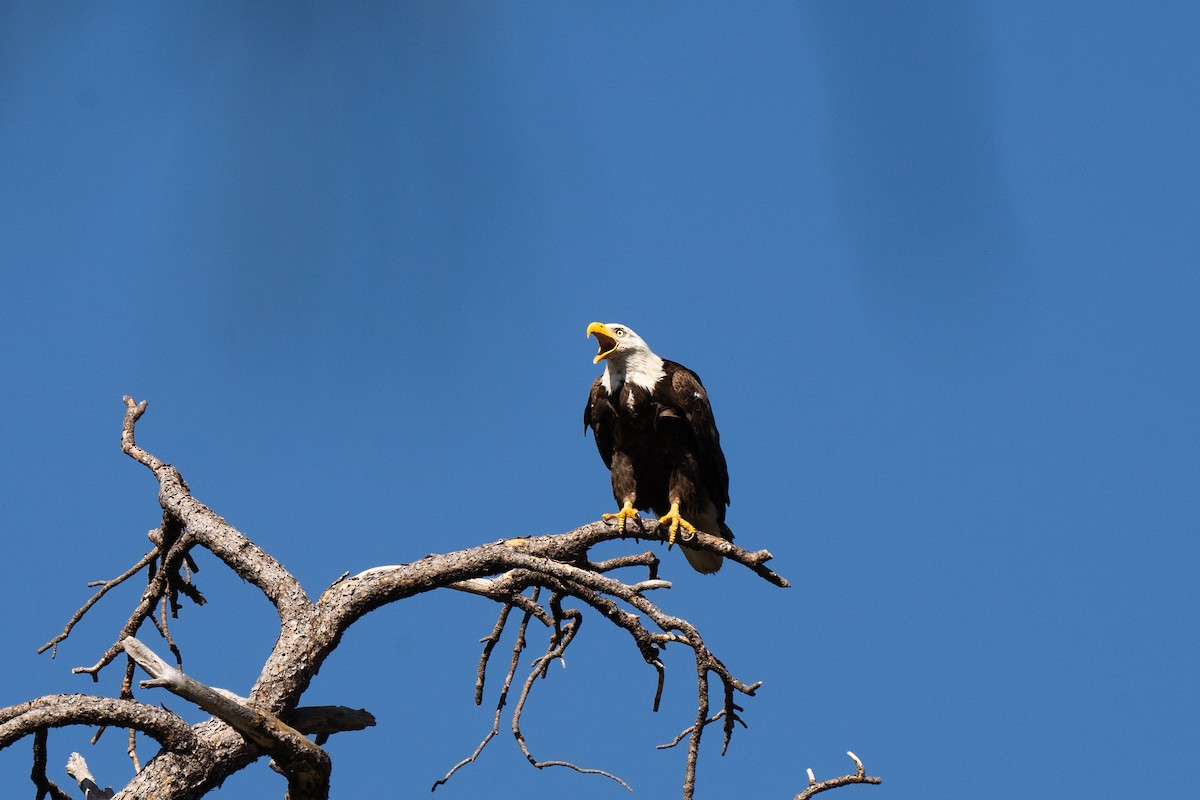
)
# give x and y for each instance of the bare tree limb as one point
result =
(305, 764)
(220, 538)
(325, 721)
(57, 710)
(105, 586)
(45, 786)
(557, 646)
(815, 787)
(510, 572)
(77, 768)
(157, 587)
(506, 589)
(489, 642)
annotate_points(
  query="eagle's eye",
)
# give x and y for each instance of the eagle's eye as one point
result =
(619, 331)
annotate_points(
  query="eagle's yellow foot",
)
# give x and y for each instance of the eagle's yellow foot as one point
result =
(677, 522)
(627, 512)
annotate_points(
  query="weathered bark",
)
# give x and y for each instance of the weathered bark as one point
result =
(194, 759)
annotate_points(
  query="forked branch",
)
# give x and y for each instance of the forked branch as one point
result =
(859, 776)
(515, 573)
(305, 764)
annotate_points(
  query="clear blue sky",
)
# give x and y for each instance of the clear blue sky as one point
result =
(939, 267)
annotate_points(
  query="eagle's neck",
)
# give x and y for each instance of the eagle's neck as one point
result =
(642, 368)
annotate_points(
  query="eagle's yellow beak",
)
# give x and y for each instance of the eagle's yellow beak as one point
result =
(608, 342)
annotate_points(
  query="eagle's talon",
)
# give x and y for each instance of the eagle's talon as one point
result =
(677, 522)
(627, 512)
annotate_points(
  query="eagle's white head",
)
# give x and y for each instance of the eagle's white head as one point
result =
(626, 355)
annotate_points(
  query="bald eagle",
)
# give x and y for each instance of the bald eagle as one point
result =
(655, 431)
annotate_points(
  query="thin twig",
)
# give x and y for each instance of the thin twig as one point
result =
(155, 588)
(131, 750)
(556, 648)
(489, 642)
(647, 559)
(518, 648)
(688, 730)
(105, 586)
(164, 628)
(815, 787)
(45, 786)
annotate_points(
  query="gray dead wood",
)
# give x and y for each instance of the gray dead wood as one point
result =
(305, 764)
(859, 776)
(77, 768)
(269, 721)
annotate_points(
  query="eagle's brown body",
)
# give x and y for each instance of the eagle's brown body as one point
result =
(655, 430)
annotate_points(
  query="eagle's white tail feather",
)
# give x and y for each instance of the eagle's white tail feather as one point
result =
(703, 560)
(706, 561)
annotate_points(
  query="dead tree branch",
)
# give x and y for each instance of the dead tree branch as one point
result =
(105, 586)
(305, 765)
(489, 643)
(815, 787)
(512, 572)
(56, 710)
(77, 768)
(45, 786)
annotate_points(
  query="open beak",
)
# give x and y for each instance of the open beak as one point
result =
(608, 342)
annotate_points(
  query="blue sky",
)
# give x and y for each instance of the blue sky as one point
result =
(938, 266)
